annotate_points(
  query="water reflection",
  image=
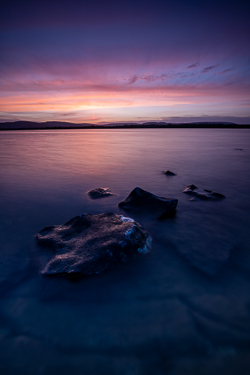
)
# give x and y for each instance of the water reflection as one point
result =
(154, 316)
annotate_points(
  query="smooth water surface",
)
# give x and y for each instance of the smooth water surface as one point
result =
(183, 308)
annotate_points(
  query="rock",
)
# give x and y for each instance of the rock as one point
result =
(169, 173)
(142, 201)
(202, 194)
(90, 244)
(99, 193)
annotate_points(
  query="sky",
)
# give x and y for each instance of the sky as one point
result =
(131, 61)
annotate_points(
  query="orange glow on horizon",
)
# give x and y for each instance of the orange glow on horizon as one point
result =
(116, 103)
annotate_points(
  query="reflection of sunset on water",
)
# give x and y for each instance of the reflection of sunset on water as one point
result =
(191, 287)
(93, 95)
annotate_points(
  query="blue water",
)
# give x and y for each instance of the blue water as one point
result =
(183, 308)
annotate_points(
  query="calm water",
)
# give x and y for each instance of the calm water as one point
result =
(184, 308)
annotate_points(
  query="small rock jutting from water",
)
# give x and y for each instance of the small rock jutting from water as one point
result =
(202, 194)
(169, 173)
(90, 244)
(142, 201)
(100, 193)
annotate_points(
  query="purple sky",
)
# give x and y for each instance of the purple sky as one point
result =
(82, 61)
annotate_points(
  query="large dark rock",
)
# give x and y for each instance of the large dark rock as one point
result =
(99, 193)
(142, 201)
(202, 194)
(89, 244)
(169, 173)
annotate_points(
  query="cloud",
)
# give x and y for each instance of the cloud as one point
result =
(154, 77)
(132, 80)
(226, 71)
(69, 114)
(193, 66)
(148, 78)
(157, 77)
(208, 68)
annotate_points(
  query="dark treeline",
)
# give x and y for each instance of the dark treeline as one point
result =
(28, 125)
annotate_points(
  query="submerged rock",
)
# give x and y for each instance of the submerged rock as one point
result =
(100, 193)
(204, 248)
(169, 173)
(89, 244)
(142, 201)
(202, 194)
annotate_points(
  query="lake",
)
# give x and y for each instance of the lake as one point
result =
(182, 308)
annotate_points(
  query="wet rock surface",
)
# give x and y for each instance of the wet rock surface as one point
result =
(202, 194)
(100, 193)
(142, 201)
(90, 244)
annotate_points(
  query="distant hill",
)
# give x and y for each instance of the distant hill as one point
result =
(40, 125)
(25, 125)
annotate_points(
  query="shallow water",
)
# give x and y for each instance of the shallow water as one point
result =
(182, 308)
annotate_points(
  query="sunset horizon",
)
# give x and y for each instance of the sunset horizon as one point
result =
(101, 63)
(124, 180)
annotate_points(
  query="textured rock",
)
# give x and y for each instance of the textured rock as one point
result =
(99, 193)
(142, 201)
(89, 244)
(202, 194)
(169, 173)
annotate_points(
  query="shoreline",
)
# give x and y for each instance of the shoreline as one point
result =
(37, 126)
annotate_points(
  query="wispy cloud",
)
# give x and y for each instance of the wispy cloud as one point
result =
(209, 68)
(148, 78)
(226, 71)
(132, 80)
(193, 66)
(154, 77)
